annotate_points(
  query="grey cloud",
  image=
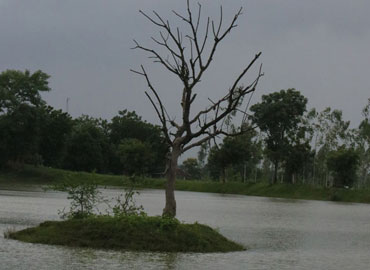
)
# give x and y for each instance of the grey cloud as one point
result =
(318, 47)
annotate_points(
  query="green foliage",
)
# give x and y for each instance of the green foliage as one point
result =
(86, 146)
(191, 168)
(141, 233)
(238, 153)
(20, 102)
(203, 153)
(328, 131)
(84, 198)
(126, 204)
(279, 112)
(46, 176)
(329, 128)
(362, 143)
(55, 129)
(128, 125)
(136, 156)
(20, 134)
(298, 157)
(17, 88)
(32, 132)
(279, 116)
(343, 164)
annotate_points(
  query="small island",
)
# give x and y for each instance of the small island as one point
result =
(139, 233)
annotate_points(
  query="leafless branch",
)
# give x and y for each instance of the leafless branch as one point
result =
(190, 69)
(161, 110)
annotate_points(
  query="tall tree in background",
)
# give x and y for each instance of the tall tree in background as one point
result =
(192, 169)
(188, 55)
(128, 125)
(279, 115)
(136, 156)
(239, 154)
(329, 131)
(20, 102)
(17, 88)
(55, 129)
(86, 146)
(362, 143)
(20, 135)
(343, 164)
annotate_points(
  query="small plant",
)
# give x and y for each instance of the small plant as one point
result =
(126, 204)
(169, 223)
(334, 196)
(8, 232)
(85, 197)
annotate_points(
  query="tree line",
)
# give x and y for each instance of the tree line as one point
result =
(282, 141)
(32, 132)
(291, 144)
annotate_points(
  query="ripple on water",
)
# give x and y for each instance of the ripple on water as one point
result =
(279, 234)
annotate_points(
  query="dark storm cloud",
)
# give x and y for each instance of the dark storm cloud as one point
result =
(318, 47)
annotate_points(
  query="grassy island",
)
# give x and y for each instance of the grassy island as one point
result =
(141, 233)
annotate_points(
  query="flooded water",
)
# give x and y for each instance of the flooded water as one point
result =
(279, 234)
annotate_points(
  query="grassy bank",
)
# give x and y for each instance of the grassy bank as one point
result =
(129, 233)
(30, 175)
(42, 175)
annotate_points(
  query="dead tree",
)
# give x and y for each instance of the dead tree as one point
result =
(188, 64)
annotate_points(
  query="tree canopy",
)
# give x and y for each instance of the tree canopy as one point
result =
(279, 115)
(18, 87)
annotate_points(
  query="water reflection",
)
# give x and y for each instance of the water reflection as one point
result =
(170, 260)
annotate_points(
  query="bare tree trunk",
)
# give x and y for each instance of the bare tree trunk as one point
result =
(276, 165)
(170, 207)
(223, 175)
(188, 64)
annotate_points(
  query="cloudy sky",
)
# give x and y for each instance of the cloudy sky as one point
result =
(320, 47)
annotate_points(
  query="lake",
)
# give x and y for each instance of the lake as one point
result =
(278, 233)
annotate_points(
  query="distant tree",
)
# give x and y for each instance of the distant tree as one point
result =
(298, 156)
(202, 154)
(202, 157)
(55, 129)
(87, 146)
(329, 130)
(279, 115)
(17, 88)
(343, 164)
(189, 64)
(240, 153)
(20, 135)
(128, 125)
(361, 138)
(136, 156)
(217, 164)
(20, 103)
(191, 168)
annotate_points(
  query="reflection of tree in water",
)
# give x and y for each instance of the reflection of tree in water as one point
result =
(170, 260)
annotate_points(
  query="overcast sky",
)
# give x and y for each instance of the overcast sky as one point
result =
(319, 47)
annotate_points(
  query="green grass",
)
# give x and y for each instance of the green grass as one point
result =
(141, 233)
(45, 176)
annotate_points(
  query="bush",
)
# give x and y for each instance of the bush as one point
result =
(126, 204)
(343, 164)
(85, 197)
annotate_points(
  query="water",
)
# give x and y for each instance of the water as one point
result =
(279, 234)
